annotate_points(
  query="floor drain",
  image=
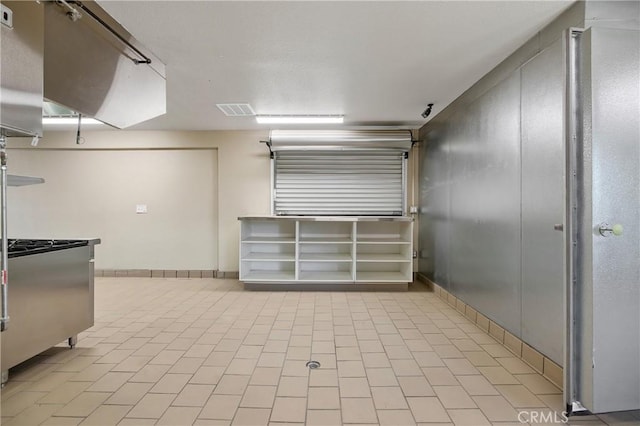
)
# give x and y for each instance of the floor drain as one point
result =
(313, 364)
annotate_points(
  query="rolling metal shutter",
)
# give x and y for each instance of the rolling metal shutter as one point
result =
(340, 179)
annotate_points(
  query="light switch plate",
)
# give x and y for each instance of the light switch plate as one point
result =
(141, 208)
(413, 209)
(6, 16)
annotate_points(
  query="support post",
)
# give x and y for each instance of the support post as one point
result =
(4, 278)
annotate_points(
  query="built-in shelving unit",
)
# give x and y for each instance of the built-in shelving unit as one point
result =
(325, 251)
(384, 252)
(319, 250)
(268, 250)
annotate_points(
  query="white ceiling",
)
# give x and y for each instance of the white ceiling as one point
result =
(378, 63)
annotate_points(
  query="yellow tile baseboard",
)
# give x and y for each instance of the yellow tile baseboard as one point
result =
(164, 273)
(522, 350)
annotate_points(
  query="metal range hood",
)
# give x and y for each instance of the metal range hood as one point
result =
(92, 65)
(21, 51)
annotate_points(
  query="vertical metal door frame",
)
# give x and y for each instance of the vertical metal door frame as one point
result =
(4, 258)
(405, 159)
(296, 264)
(573, 175)
(273, 183)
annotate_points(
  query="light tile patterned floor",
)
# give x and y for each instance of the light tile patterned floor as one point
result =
(203, 351)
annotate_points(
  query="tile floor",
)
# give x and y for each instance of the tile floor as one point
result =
(205, 352)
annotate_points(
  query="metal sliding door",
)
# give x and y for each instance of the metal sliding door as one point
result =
(333, 182)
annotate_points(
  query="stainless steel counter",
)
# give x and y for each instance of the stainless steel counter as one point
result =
(51, 299)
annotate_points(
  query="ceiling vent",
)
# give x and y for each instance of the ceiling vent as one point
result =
(236, 110)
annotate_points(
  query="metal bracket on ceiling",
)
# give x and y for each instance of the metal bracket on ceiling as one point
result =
(74, 15)
(268, 143)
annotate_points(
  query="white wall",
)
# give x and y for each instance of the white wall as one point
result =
(242, 189)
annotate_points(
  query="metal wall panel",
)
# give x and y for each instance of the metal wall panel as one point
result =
(470, 204)
(543, 202)
(460, 160)
(486, 225)
(485, 203)
(615, 159)
(433, 235)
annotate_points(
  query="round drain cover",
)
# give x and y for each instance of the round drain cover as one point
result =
(313, 364)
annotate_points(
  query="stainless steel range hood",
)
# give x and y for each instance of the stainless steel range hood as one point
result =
(21, 48)
(95, 67)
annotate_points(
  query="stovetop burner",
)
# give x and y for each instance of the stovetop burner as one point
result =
(22, 247)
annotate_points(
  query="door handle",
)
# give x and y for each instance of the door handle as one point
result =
(606, 230)
(558, 227)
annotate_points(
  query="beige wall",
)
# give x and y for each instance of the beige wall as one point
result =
(96, 195)
(242, 188)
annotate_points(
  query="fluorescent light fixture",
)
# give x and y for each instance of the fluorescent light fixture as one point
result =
(69, 120)
(300, 119)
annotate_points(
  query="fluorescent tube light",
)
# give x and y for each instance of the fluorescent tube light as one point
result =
(69, 120)
(300, 119)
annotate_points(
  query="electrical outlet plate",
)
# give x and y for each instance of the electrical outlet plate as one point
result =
(6, 16)
(413, 209)
(141, 208)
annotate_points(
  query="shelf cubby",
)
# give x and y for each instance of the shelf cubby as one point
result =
(383, 271)
(268, 276)
(331, 232)
(372, 252)
(326, 276)
(269, 231)
(326, 252)
(268, 252)
(325, 257)
(325, 271)
(267, 270)
(384, 232)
